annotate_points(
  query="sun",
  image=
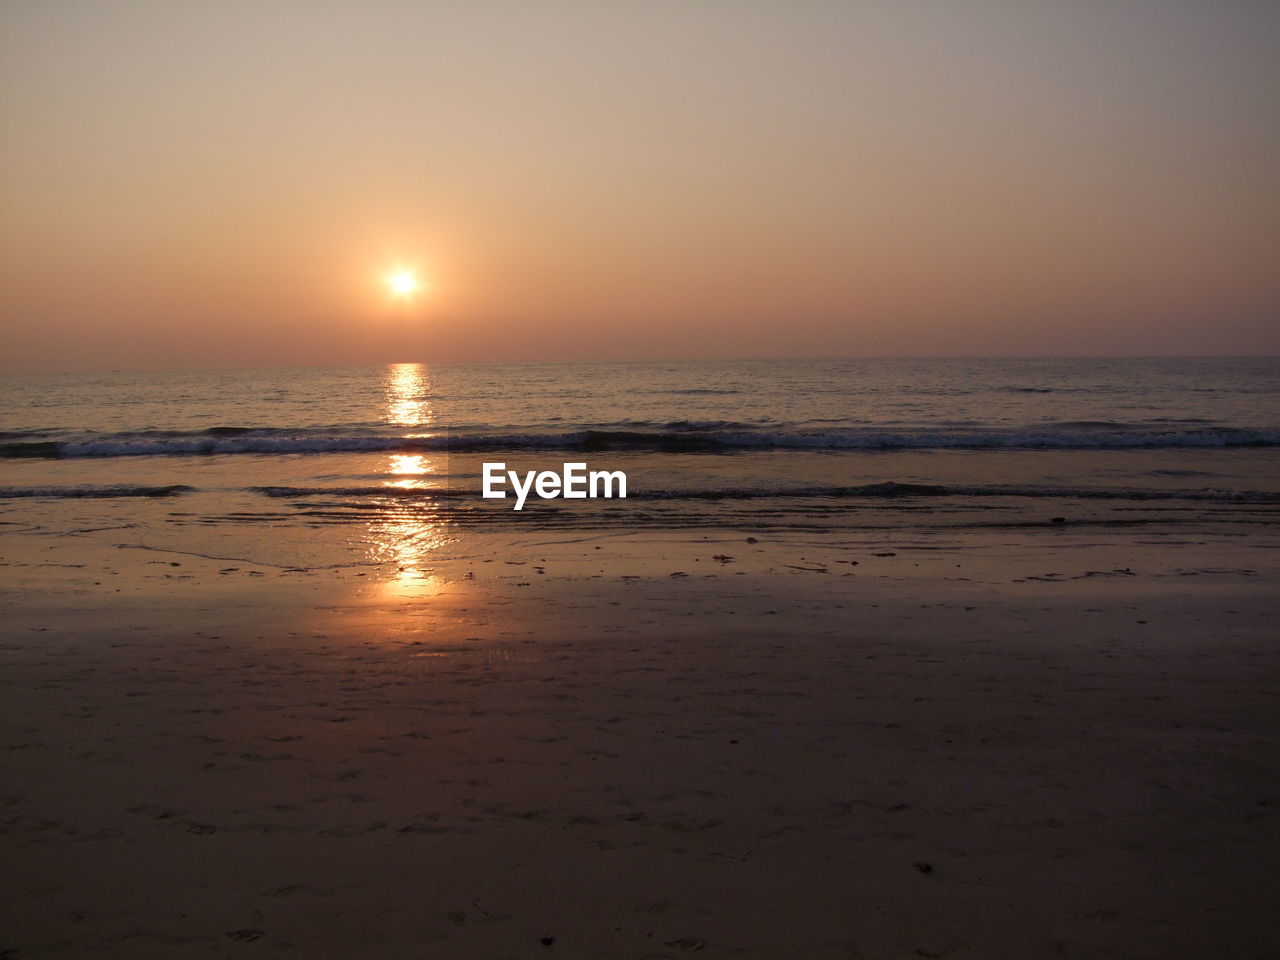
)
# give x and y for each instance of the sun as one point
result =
(402, 284)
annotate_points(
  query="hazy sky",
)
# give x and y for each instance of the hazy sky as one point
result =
(193, 184)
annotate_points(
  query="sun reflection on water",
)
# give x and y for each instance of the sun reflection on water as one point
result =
(412, 468)
(406, 531)
(408, 396)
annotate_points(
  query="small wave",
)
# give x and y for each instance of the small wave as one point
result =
(402, 493)
(680, 437)
(700, 391)
(885, 490)
(45, 449)
(206, 445)
(230, 431)
(22, 434)
(702, 425)
(85, 490)
(893, 489)
(1051, 437)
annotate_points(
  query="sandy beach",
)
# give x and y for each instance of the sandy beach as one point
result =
(646, 745)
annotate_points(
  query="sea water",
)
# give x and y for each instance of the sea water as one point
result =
(345, 462)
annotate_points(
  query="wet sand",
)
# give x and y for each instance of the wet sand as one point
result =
(661, 747)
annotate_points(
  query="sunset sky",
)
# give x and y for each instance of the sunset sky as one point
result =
(201, 184)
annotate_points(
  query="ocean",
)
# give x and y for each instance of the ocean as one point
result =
(382, 465)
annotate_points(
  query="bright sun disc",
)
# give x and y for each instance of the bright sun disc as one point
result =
(402, 283)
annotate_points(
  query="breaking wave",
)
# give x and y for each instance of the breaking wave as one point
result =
(678, 436)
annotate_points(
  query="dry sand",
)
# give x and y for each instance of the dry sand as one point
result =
(564, 751)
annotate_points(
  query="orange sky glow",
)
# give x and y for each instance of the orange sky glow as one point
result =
(236, 184)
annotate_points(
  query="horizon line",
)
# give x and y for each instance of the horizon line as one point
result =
(647, 360)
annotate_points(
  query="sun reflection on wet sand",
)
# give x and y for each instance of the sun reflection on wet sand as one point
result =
(409, 541)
